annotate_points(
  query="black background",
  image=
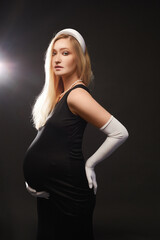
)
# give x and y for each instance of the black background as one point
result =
(123, 42)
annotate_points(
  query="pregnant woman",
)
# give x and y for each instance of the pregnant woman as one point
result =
(55, 170)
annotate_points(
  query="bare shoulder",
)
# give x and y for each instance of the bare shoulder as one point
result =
(83, 104)
(78, 94)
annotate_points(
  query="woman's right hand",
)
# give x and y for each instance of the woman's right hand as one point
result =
(34, 193)
(91, 177)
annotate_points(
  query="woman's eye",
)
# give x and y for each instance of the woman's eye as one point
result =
(54, 53)
(65, 53)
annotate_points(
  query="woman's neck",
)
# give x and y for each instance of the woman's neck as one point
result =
(69, 80)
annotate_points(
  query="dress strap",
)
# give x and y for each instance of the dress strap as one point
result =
(78, 85)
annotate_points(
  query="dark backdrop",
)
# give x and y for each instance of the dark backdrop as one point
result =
(123, 41)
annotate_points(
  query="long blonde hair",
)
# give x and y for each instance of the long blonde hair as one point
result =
(53, 87)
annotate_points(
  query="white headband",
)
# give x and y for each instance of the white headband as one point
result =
(75, 34)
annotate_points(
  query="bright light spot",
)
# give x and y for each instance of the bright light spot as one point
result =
(3, 69)
(7, 71)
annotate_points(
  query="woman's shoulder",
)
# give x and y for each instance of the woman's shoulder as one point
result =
(81, 103)
(80, 98)
(78, 92)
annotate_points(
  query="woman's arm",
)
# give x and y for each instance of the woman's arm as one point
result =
(81, 103)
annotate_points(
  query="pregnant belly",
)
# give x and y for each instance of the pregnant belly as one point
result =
(40, 167)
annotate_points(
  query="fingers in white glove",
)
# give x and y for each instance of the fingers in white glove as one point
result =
(95, 185)
(91, 177)
(43, 194)
(34, 193)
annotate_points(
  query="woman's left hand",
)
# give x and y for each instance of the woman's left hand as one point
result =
(34, 193)
(91, 177)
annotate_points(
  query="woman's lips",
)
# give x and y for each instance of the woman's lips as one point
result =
(57, 67)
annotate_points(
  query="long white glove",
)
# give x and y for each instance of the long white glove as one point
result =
(34, 193)
(116, 135)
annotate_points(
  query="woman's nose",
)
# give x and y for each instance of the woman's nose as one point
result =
(57, 58)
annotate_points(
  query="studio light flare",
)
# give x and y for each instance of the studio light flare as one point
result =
(7, 71)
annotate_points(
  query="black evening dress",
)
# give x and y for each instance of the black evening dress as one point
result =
(54, 162)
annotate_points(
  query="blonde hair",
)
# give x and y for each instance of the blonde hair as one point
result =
(53, 87)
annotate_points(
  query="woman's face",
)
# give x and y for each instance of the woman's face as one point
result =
(64, 58)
